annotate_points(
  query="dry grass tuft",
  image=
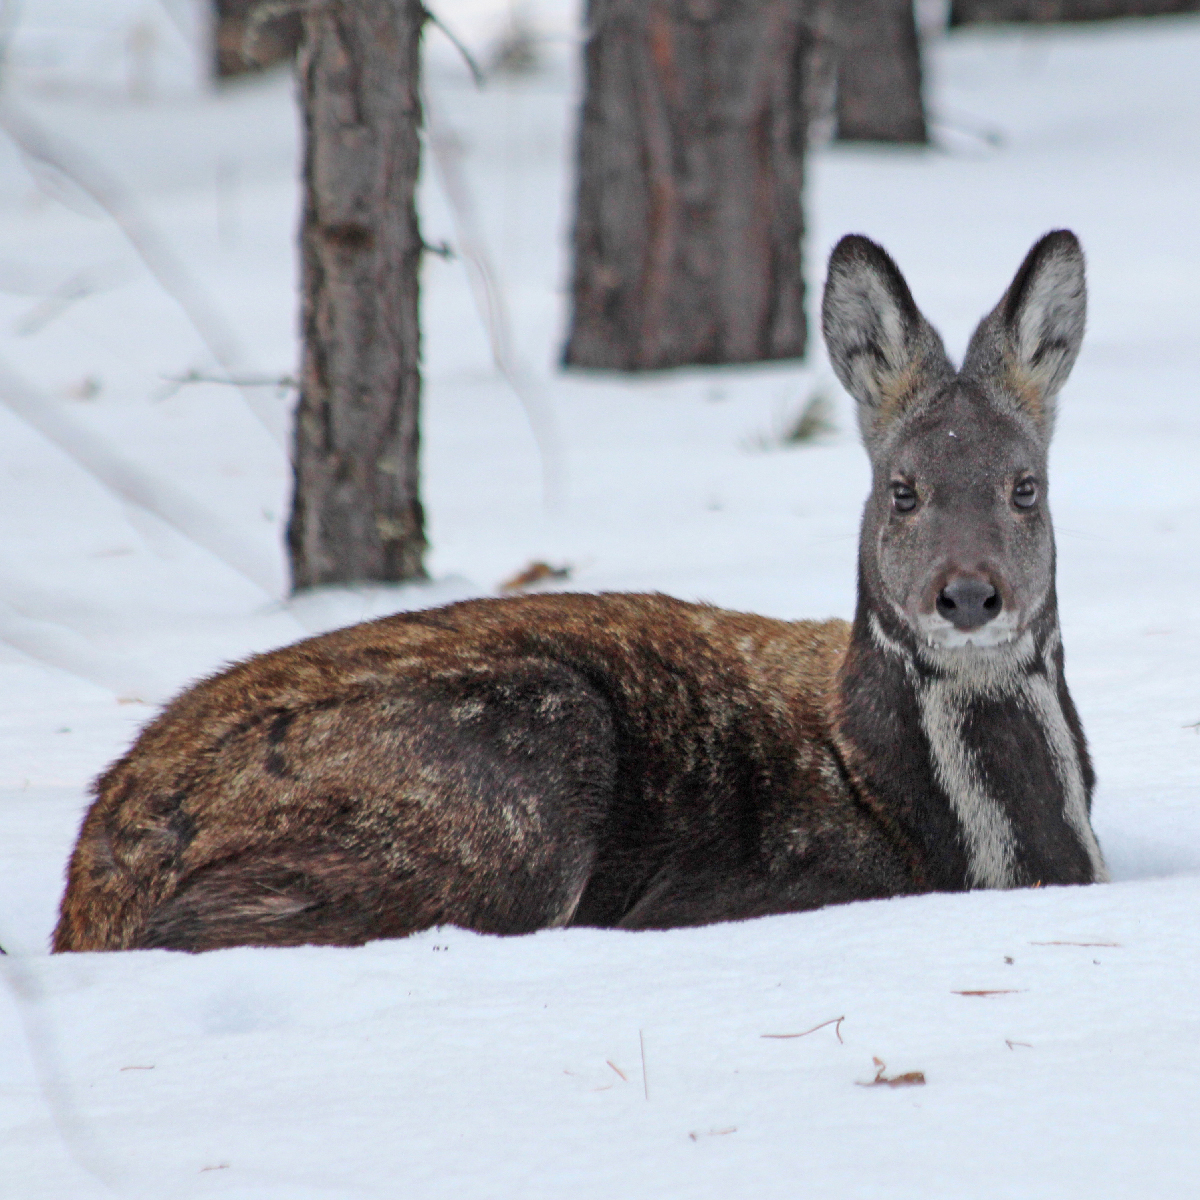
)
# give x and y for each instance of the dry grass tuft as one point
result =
(811, 423)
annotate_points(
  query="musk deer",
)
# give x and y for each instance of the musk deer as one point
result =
(640, 762)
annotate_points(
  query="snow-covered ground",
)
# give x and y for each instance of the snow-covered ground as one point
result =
(585, 1063)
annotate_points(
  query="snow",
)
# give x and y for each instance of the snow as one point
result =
(457, 1065)
(138, 49)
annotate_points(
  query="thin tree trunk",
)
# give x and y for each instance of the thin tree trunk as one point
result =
(970, 12)
(356, 512)
(879, 73)
(691, 157)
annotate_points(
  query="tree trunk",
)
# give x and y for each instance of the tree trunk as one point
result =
(356, 512)
(879, 73)
(970, 12)
(691, 157)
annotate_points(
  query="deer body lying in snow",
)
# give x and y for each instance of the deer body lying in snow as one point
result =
(640, 762)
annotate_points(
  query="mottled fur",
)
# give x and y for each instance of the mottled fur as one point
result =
(499, 764)
(637, 761)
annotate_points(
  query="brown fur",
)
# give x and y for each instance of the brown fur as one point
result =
(361, 785)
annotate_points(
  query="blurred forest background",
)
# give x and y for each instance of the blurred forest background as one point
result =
(688, 220)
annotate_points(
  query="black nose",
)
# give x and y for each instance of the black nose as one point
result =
(968, 603)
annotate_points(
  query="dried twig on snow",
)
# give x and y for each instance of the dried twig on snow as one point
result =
(1113, 945)
(990, 992)
(836, 1022)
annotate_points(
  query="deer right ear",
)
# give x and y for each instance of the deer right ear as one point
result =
(1028, 343)
(882, 349)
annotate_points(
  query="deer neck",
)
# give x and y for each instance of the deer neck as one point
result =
(975, 762)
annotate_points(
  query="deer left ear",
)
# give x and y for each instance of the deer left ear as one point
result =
(1029, 342)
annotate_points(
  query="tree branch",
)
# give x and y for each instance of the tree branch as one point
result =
(38, 145)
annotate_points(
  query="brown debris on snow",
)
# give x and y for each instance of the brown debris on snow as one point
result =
(536, 572)
(908, 1079)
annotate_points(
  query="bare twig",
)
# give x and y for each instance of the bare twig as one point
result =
(1013, 1045)
(456, 42)
(617, 1069)
(73, 1132)
(991, 135)
(130, 482)
(836, 1022)
(78, 287)
(58, 645)
(238, 381)
(36, 144)
(490, 303)
(645, 1077)
(10, 13)
(174, 17)
(1111, 945)
(990, 992)
(713, 1133)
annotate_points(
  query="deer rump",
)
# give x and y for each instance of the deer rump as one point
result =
(641, 762)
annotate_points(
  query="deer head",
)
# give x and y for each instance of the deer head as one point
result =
(957, 546)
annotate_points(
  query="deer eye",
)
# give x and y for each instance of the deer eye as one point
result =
(1025, 493)
(904, 497)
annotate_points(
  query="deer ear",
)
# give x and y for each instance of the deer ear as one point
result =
(1029, 342)
(882, 349)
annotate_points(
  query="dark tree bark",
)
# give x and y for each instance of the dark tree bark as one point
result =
(879, 73)
(971, 12)
(356, 512)
(237, 48)
(691, 158)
